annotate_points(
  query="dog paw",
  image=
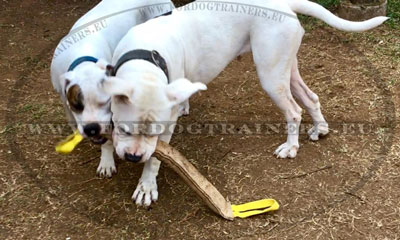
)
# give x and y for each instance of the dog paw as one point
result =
(286, 150)
(146, 192)
(106, 169)
(321, 129)
(184, 109)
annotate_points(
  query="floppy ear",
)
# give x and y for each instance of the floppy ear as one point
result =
(118, 88)
(182, 89)
(65, 81)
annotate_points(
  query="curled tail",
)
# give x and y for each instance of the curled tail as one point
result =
(315, 10)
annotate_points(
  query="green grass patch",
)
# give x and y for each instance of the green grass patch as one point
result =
(10, 128)
(329, 4)
(393, 12)
(36, 111)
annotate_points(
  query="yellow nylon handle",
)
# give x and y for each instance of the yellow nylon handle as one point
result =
(70, 143)
(255, 208)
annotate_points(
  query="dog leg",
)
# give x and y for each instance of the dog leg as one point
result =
(310, 101)
(277, 85)
(146, 192)
(274, 59)
(281, 95)
(184, 108)
(107, 165)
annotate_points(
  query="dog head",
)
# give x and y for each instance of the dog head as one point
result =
(143, 105)
(89, 105)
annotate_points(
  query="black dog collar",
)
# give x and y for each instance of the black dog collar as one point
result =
(140, 54)
(165, 14)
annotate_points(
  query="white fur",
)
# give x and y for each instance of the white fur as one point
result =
(107, 165)
(198, 45)
(117, 18)
(313, 9)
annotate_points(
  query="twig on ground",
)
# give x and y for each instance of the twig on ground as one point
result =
(308, 173)
(356, 196)
(225, 154)
(88, 161)
(190, 215)
(240, 86)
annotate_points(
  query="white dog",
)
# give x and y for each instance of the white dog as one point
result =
(155, 60)
(76, 69)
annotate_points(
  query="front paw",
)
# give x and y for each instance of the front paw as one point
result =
(184, 109)
(106, 168)
(146, 192)
(286, 150)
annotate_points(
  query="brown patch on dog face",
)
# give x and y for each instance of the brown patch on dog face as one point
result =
(121, 99)
(75, 99)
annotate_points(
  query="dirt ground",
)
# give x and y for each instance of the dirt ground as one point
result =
(345, 186)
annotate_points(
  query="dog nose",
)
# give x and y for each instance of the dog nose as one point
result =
(132, 158)
(92, 129)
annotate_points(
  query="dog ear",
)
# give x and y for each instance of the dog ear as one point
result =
(119, 89)
(182, 89)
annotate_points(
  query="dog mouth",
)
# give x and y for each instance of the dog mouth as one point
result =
(99, 140)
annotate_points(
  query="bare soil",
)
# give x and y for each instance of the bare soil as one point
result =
(345, 186)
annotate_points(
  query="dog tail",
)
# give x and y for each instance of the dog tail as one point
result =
(315, 10)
